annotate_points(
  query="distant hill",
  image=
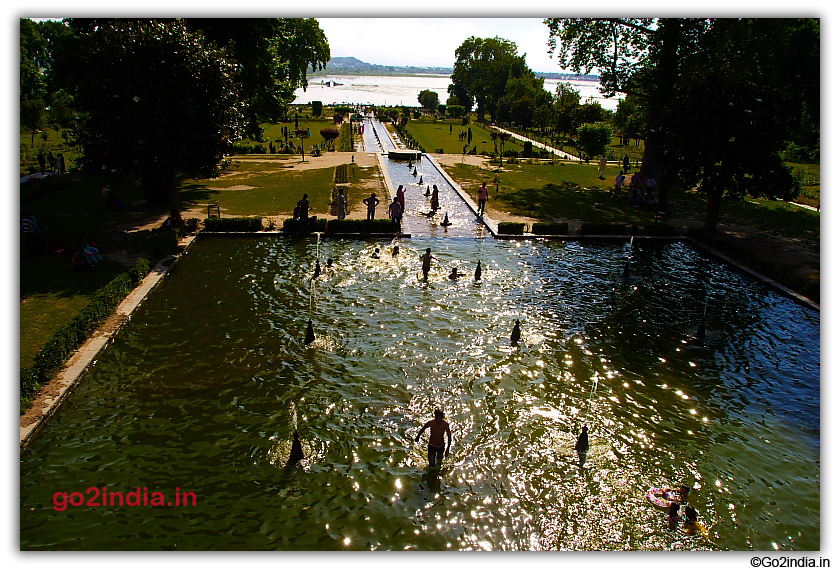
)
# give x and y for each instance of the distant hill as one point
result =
(355, 66)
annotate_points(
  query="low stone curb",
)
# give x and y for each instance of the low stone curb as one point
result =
(85, 356)
(491, 224)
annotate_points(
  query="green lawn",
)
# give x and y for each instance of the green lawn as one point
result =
(809, 177)
(573, 191)
(549, 191)
(274, 131)
(51, 292)
(435, 135)
(274, 189)
(54, 143)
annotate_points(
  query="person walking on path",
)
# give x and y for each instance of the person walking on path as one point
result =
(401, 197)
(303, 212)
(341, 204)
(437, 427)
(371, 203)
(395, 211)
(482, 198)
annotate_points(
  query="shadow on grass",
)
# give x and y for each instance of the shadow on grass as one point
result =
(570, 201)
(197, 192)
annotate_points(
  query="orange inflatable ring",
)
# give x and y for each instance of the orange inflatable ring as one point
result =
(660, 498)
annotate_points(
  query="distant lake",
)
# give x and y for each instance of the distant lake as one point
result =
(392, 90)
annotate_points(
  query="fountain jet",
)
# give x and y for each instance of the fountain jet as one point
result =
(297, 451)
(516, 334)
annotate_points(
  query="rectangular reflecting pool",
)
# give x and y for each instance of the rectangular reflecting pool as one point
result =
(197, 398)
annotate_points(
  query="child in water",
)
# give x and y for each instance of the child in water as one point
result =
(692, 525)
(673, 517)
(455, 275)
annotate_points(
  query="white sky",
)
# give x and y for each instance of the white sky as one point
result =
(432, 41)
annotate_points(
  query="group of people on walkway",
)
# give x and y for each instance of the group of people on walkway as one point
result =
(640, 189)
(56, 162)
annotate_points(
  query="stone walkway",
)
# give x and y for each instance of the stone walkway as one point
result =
(551, 149)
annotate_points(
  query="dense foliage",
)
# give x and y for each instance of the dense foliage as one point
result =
(156, 97)
(709, 94)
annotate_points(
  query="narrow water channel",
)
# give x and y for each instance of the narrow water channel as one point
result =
(419, 179)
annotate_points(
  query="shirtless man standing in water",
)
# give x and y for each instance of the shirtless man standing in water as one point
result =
(437, 427)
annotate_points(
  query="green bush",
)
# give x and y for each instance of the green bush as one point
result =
(242, 224)
(71, 336)
(342, 174)
(550, 228)
(593, 138)
(191, 225)
(603, 229)
(165, 244)
(345, 226)
(511, 228)
(456, 111)
(291, 225)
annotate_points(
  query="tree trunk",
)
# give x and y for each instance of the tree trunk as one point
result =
(714, 199)
(171, 191)
(661, 98)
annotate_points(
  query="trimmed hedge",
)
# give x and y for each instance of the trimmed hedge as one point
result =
(346, 139)
(233, 224)
(603, 229)
(659, 230)
(71, 336)
(290, 225)
(550, 228)
(511, 228)
(342, 174)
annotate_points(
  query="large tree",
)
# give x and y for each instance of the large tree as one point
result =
(33, 85)
(661, 62)
(481, 72)
(272, 57)
(428, 99)
(566, 100)
(522, 98)
(189, 87)
(158, 99)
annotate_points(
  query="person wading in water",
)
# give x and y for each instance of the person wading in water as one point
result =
(437, 427)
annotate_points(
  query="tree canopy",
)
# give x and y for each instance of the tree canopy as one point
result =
(523, 97)
(158, 99)
(428, 99)
(669, 64)
(481, 72)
